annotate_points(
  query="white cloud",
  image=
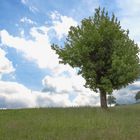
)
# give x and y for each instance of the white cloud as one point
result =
(22, 33)
(73, 86)
(27, 20)
(136, 84)
(129, 12)
(61, 24)
(125, 96)
(65, 84)
(91, 4)
(52, 100)
(39, 50)
(61, 84)
(6, 65)
(85, 9)
(30, 6)
(87, 99)
(33, 9)
(24, 1)
(15, 95)
(128, 7)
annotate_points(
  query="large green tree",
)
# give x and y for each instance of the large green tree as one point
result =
(105, 55)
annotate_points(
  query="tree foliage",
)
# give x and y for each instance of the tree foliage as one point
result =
(105, 55)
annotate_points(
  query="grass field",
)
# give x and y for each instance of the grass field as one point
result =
(85, 123)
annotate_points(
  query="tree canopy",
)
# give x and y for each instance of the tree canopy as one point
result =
(105, 55)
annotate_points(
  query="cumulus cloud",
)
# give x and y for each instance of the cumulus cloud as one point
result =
(60, 84)
(129, 15)
(27, 20)
(125, 96)
(63, 78)
(135, 84)
(30, 6)
(15, 95)
(64, 83)
(61, 24)
(87, 99)
(24, 1)
(128, 7)
(82, 96)
(73, 85)
(39, 50)
(33, 9)
(6, 65)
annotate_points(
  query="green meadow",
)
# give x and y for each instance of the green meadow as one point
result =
(81, 123)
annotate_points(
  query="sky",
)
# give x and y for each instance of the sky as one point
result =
(30, 73)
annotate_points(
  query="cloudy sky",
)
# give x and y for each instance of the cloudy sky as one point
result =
(30, 73)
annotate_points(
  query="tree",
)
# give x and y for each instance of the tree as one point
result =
(111, 100)
(137, 97)
(103, 53)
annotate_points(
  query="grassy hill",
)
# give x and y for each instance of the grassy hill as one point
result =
(85, 123)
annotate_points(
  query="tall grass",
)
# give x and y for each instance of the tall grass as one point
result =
(85, 123)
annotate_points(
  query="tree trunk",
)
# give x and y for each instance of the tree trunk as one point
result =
(103, 99)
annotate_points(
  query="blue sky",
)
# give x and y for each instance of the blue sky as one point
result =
(30, 73)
